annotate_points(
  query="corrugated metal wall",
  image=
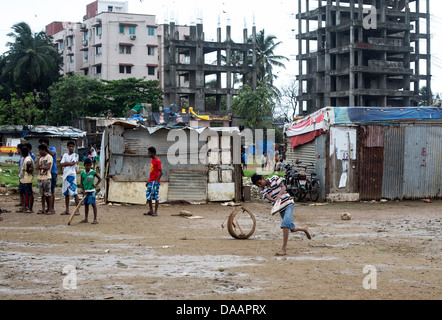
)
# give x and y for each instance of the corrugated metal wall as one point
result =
(305, 153)
(128, 161)
(371, 162)
(321, 163)
(393, 179)
(396, 161)
(422, 161)
(187, 185)
(412, 161)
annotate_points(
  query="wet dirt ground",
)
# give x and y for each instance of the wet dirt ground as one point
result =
(131, 256)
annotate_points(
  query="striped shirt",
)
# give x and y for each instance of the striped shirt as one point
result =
(274, 190)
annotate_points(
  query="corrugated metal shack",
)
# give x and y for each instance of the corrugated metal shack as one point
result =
(58, 136)
(373, 153)
(127, 164)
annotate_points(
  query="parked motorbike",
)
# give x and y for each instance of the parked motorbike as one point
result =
(298, 184)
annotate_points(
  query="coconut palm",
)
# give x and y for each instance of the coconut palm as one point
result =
(266, 58)
(32, 62)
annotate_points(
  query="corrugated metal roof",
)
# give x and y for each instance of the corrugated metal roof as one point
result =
(65, 131)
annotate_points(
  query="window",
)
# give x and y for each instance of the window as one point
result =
(71, 58)
(98, 69)
(123, 48)
(125, 69)
(99, 30)
(98, 50)
(150, 51)
(110, 8)
(151, 71)
(150, 31)
(122, 29)
(85, 55)
(85, 36)
(86, 71)
(131, 30)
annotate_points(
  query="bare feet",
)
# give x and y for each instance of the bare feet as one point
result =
(281, 253)
(309, 236)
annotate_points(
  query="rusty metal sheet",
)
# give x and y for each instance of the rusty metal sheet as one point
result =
(370, 173)
(393, 178)
(372, 136)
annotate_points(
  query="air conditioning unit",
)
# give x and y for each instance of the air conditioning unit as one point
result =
(133, 37)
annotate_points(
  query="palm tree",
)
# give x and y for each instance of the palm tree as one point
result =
(32, 61)
(266, 58)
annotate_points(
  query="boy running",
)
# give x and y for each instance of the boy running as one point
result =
(153, 185)
(273, 189)
(88, 186)
(69, 163)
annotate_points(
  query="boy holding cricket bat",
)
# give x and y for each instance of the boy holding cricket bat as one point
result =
(273, 189)
(87, 184)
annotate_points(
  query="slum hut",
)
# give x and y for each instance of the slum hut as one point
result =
(372, 153)
(187, 176)
(58, 137)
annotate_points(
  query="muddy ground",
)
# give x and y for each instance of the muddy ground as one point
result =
(131, 256)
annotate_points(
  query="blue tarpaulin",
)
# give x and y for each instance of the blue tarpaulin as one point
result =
(345, 115)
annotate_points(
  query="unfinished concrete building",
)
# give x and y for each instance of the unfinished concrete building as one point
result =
(188, 68)
(363, 52)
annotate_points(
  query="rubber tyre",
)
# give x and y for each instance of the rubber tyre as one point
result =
(231, 225)
(314, 191)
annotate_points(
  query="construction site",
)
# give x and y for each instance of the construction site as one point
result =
(363, 53)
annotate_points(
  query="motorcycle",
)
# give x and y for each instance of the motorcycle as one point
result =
(294, 182)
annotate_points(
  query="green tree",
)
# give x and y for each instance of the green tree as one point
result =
(79, 96)
(75, 96)
(21, 110)
(122, 95)
(428, 98)
(254, 107)
(32, 62)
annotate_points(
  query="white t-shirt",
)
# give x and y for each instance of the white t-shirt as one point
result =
(69, 170)
(93, 152)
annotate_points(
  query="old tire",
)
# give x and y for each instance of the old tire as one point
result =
(233, 226)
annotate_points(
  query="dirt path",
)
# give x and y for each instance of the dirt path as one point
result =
(131, 256)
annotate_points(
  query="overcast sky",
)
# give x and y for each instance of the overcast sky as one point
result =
(276, 17)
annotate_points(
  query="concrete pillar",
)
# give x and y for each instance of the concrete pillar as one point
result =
(428, 50)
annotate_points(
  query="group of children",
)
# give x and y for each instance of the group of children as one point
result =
(272, 189)
(44, 164)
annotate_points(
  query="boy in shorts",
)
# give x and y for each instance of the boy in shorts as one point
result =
(87, 184)
(26, 179)
(44, 166)
(153, 185)
(273, 189)
(69, 163)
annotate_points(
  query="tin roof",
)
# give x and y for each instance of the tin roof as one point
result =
(50, 131)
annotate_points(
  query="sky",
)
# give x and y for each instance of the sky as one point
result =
(276, 17)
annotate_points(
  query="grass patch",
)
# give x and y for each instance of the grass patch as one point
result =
(250, 173)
